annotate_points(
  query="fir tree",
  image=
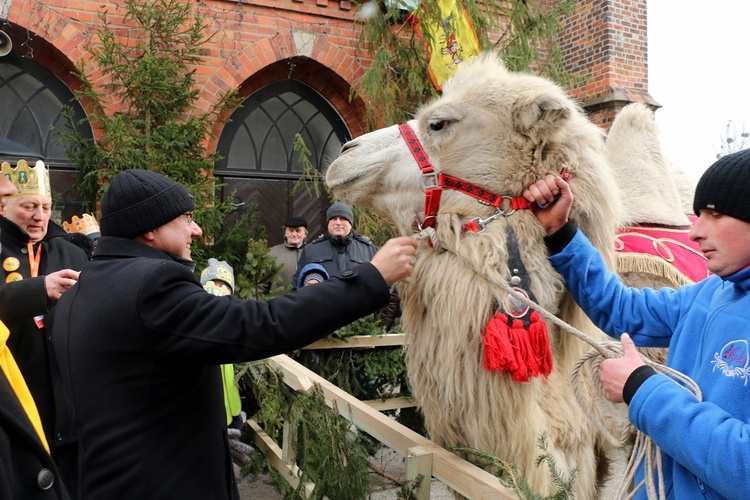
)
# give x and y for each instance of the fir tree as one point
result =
(147, 109)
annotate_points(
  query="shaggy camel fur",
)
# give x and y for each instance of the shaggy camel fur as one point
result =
(501, 131)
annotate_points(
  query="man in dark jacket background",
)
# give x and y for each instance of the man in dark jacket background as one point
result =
(339, 249)
(39, 265)
(139, 341)
(288, 253)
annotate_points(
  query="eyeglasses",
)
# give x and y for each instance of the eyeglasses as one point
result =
(188, 216)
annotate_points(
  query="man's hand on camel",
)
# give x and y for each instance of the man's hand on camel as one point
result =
(554, 199)
(58, 282)
(395, 259)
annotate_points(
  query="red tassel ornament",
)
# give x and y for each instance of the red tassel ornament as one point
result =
(527, 365)
(498, 351)
(539, 339)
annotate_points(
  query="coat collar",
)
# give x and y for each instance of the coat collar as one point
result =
(741, 278)
(340, 241)
(11, 230)
(110, 247)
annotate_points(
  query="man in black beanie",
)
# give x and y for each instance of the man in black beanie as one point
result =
(703, 440)
(339, 249)
(139, 343)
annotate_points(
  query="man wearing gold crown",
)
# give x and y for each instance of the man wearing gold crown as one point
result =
(39, 265)
(26, 467)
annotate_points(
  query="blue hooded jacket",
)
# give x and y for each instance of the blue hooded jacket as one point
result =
(705, 445)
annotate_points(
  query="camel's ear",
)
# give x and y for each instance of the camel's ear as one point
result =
(541, 116)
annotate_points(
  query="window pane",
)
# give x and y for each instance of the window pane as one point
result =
(261, 134)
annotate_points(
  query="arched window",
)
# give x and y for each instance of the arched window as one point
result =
(260, 165)
(32, 99)
(260, 137)
(31, 103)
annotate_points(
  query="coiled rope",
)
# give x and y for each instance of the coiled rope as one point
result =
(584, 372)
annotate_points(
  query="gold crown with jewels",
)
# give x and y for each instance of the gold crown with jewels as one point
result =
(86, 224)
(28, 180)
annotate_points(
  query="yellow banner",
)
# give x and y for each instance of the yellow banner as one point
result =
(451, 41)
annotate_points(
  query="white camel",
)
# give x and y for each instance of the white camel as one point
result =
(500, 131)
(490, 135)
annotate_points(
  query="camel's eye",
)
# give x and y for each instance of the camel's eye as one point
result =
(436, 125)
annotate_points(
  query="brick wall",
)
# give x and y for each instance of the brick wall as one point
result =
(260, 41)
(310, 40)
(605, 43)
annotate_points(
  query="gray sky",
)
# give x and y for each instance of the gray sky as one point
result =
(699, 72)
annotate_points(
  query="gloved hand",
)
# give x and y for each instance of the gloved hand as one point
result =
(239, 450)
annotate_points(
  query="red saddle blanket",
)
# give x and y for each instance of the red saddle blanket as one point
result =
(670, 244)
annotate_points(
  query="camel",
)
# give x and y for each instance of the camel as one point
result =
(657, 196)
(497, 132)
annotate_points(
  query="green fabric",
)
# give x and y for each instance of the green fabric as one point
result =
(232, 401)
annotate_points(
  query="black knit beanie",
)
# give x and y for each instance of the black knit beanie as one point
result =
(340, 209)
(295, 221)
(725, 187)
(138, 201)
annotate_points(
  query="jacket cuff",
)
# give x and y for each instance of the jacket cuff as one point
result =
(558, 240)
(313, 276)
(635, 380)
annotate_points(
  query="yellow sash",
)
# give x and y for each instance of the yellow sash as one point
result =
(13, 374)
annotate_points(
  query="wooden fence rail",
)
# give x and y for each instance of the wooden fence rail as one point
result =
(422, 455)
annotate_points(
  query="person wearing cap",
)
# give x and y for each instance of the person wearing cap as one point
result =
(218, 279)
(27, 469)
(140, 342)
(337, 250)
(704, 442)
(288, 253)
(39, 265)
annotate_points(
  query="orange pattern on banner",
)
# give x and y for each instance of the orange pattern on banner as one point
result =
(452, 41)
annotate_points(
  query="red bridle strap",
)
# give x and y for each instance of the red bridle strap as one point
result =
(433, 184)
(481, 194)
(432, 192)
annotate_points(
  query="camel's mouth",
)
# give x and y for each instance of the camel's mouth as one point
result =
(342, 183)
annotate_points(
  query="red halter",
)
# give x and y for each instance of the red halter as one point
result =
(433, 183)
(509, 345)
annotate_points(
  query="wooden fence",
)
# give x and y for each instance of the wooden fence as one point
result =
(422, 456)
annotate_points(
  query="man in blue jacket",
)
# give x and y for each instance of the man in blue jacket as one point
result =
(705, 443)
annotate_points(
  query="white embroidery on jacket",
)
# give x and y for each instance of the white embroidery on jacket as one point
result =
(733, 360)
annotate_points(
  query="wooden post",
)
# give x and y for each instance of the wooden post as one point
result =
(419, 463)
(288, 453)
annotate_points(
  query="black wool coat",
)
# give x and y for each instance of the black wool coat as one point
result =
(27, 471)
(139, 341)
(20, 302)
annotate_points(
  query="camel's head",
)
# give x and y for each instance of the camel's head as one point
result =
(493, 128)
(377, 171)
